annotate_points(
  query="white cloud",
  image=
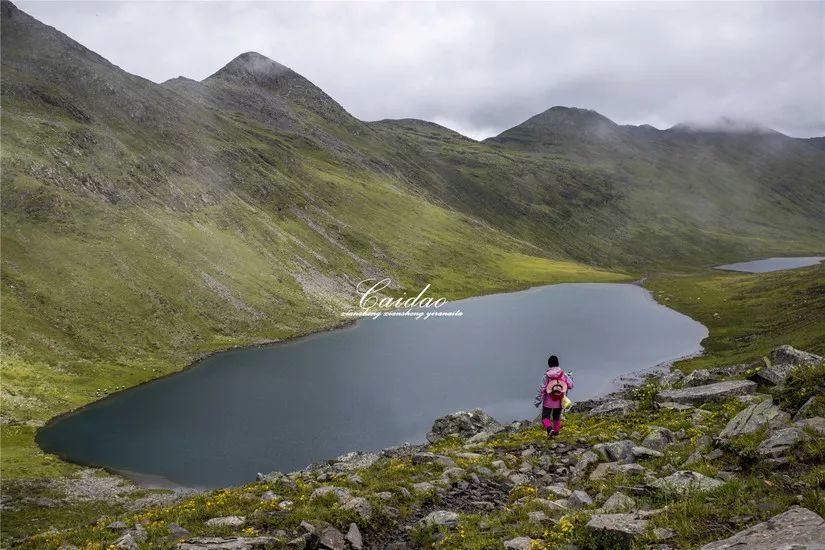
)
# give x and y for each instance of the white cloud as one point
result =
(484, 67)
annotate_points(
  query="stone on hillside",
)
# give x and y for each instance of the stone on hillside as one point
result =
(536, 517)
(781, 361)
(699, 377)
(463, 424)
(815, 424)
(425, 458)
(423, 487)
(671, 378)
(579, 499)
(361, 506)
(586, 460)
(231, 543)
(618, 502)
(615, 451)
(441, 518)
(177, 532)
(557, 489)
(752, 418)
(798, 528)
(616, 530)
(353, 537)
(341, 494)
(126, 542)
(353, 461)
(805, 410)
(644, 452)
(658, 438)
(630, 469)
(331, 538)
(226, 521)
(614, 407)
(518, 543)
(685, 481)
(602, 470)
(711, 393)
(780, 442)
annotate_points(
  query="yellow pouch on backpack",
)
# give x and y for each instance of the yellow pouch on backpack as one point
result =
(566, 403)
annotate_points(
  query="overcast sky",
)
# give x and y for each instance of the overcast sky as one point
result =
(480, 68)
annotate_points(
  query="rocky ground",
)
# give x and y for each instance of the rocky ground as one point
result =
(727, 457)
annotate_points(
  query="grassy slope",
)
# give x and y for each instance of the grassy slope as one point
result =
(748, 314)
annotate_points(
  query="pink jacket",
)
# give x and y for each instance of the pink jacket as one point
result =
(552, 375)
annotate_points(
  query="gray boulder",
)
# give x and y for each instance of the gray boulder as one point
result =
(127, 542)
(711, 393)
(698, 377)
(357, 460)
(441, 518)
(780, 362)
(231, 543)
(353, 537)
(753, 418)
(658, 438)
(615, 451)
(226, 521)
(780, 442)
(464, 425)
(518, 543)
(685, 481)
(618, 502)
(614, 407)
(616, 530)
(341, 494)
(815, 424)
(671, 378)
(586, 460)
(797, 529)
(579, 499)
(361, 506)
(424, 458)
(644, 452)
(331, 538)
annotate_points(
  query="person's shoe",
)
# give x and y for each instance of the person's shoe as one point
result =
(551, 434)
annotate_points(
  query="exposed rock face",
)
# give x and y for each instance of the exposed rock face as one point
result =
(464, 425)
(616, 406)
(685, 481)
(781, 361)
(780, 442)
(658, 438)
(711, 393)
(616, 530)
(752, 418)
(233, 543)
(797, 529)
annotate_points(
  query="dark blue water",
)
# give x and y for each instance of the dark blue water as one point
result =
(772, 264)
(380, 383)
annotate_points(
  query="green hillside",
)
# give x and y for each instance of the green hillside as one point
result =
(146, 224)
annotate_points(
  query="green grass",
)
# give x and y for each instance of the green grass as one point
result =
(748, 314)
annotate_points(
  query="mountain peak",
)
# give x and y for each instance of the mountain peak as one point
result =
(252, 66)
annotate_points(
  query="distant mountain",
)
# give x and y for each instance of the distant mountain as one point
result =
(146, 223)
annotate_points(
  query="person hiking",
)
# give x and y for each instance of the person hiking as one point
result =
(551, 396)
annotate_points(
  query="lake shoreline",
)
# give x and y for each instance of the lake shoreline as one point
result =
(620, 380)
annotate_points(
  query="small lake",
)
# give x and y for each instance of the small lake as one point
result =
(379, 383)
(772, 264)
